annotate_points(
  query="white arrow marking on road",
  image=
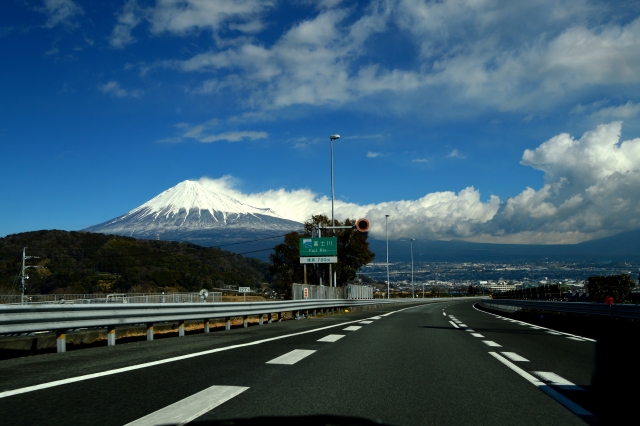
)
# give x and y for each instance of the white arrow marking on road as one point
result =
(292, 357)
(331, 338)
(190, 408)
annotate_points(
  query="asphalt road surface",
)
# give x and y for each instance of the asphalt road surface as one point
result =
(428, 364)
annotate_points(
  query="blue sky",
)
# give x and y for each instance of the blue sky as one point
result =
(489, 121)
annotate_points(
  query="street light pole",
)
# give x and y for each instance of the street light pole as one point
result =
(386, 231)
(413, 296)
(331, 139)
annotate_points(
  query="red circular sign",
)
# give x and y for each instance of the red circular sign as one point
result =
(608, 300)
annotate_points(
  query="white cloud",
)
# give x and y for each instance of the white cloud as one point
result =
(626, 111)
(61, 12)
(372, 154)
(114, 89)
(129, 17)
(591, 190)
(456, 154)
(203, 133)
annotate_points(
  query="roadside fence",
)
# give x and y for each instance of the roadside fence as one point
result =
(72, 299)
(317, 292)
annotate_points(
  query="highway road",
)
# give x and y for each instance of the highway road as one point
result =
(419, 364)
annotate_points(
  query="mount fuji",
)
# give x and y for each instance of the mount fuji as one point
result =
(191, 212)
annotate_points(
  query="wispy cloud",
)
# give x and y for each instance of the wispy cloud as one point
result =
(129, 17)
(114, 89)
(456, 154)
(61, 13)
(626, 111)
(203, 133)
(372, 154)
(420, 160)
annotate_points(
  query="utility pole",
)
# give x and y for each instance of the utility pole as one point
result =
(23, 276)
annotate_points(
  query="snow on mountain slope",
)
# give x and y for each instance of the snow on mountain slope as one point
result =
(190, 211)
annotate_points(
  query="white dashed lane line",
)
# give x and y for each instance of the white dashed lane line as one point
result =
(453, 324)
(514, 356)
(375, 318)
(365, 322)
(331, 338)
(491, 343)
(543, 386)
(191, 407)
(477, 335)
(462, 325)
(352, 328)
(557, 381)
(292, 357)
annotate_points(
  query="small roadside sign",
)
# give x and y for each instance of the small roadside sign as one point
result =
(244, 289)
(306, 292)
(319, 259)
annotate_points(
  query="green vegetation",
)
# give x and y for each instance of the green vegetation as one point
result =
(616, 286)
(82, 262)
(353, 253)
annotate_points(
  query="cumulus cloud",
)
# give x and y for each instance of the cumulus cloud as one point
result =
(591, 189)
(114, 89)
(61, 12)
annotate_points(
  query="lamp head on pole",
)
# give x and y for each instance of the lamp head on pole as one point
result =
(334, 137)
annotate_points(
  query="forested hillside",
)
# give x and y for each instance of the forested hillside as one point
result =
(82, 262)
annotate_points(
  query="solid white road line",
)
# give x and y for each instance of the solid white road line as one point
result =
(514, 356)
(453, 324)
(557, 381)
(331, 338)
(575, 338)
(166, 360)
(543, 387)
(477, 335)
(537, 327)
(292, 357)
(491, 343)
(554, 333)
(190, 408)
(352, 328)
(365, 322)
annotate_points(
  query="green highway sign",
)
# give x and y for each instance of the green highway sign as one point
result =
(311, 247)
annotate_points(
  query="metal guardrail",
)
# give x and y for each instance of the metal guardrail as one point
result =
(33, 318)
(615, 310)
(212, 297)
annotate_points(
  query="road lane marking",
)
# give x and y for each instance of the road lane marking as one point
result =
(190, 408)
(557, 381)
(292, 357)
(352, 328)
(375, 318)
(453, 324)
(470, 330)
(365, 322)
(69, 380)
(554, 333)
(462, 325)
(514, 356)
(331, 338)
(444, 314)
(477, 335)
(535, 326)
(543, 387)
(491, 343)
(575, 338)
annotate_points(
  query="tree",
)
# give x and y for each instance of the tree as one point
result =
(616, 286)
(353, 253)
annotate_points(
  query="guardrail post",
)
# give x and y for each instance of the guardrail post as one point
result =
(61, 341)
(260, 319)
(279, 316)
(315, 312)
(111, 335)
(227, 323)
(181, 328)
(149, 331)
(244, 321)
(269, 318)
(206, 326)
